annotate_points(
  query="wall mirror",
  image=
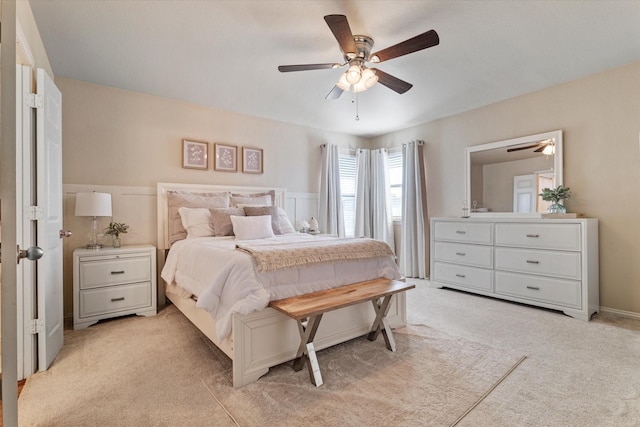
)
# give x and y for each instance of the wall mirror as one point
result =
(507, 176)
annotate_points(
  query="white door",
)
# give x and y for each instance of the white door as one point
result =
(49, 199)
(524, 193)
(25, 226)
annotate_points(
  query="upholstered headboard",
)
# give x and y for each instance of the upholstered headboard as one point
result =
(163, 203)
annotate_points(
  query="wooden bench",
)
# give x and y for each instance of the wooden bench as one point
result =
(308, 309)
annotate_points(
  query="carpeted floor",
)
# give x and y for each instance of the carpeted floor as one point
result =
(456, 348)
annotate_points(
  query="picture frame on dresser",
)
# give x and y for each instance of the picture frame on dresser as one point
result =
(226, 158)
(195, 154)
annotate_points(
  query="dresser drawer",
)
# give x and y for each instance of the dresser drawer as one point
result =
(550, 263)
(542, 236)
(107, 272)
(475, 255)
(113, 299)
(467, 232)
(470, 277)
(537, 288)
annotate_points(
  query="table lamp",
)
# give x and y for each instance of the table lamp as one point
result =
(93, 204)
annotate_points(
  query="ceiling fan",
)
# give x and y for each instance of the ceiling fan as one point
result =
(357, 51)
(545, 146)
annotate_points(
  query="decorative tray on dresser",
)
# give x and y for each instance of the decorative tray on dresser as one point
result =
(550, 263)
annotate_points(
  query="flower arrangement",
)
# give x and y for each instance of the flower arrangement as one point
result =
(555, 194)
(117, 228)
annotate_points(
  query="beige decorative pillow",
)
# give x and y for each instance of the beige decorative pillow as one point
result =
(266, 210)
(197, 222)
(221, 220)
(179, 199)
(267, 198)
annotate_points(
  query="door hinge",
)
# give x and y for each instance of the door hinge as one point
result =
(34, 213)
(33, 100)
(35, 326)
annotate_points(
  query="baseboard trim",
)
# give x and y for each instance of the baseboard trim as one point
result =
(623, 313)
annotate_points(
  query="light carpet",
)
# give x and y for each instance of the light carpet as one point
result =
(162, 371)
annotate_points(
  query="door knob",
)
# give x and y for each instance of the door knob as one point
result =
(32, 254)
(65, 233)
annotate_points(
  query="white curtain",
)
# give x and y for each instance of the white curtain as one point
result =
(414, 249)
(330, 215)
(373, 198)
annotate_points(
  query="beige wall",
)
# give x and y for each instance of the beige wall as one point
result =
(600, 117)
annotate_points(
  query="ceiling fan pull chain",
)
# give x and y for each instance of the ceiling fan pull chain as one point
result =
(357, 115)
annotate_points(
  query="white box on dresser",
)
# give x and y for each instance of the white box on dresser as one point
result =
(550, 263)
(111, 282)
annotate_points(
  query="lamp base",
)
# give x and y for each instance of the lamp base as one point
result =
(93, 246)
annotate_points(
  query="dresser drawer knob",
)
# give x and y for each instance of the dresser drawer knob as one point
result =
(118, 272)
(117, 299)
(461, 232)
(533, 288)
(529, 261)
(533, 235)
(460, 253)
(461, 275)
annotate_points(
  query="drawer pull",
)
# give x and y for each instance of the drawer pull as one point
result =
(117, 299)
(461, 275)
(534, 288)
(533, 235)
(118, 272)
(460, 253)
(461, 232)
(532, 262)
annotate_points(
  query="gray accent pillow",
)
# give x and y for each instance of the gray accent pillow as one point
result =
(266, 210)
(221, 220)
(185, 199)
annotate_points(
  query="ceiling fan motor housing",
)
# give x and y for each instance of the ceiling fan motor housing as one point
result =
(363, 45)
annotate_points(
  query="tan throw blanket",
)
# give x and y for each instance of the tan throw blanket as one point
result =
(297, 254)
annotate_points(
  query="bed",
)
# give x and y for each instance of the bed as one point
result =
(254, 336)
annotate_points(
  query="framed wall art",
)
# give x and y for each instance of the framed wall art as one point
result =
(251, 160)
(195, 154)
(226, 158)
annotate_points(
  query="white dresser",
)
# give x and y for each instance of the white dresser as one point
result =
(112, 282)
(551, 263)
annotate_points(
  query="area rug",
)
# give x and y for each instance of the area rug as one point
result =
(162, 371)
(432, 379)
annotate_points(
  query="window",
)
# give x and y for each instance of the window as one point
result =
(395, 182)
(348, 191)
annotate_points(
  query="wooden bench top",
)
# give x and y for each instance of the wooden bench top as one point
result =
(315, 303)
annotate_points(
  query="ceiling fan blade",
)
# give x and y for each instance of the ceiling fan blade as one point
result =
(392, 82)
(306, 67)
(422, 41)
(339, 26)
(335, 93)
(509, 150)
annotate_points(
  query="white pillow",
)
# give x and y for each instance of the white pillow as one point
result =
(285, 223)
(197, 222)
(252, 227)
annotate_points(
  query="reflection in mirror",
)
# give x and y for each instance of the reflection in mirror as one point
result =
(507, 176)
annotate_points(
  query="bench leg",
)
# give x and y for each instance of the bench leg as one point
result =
(380, 323)
(306, 350)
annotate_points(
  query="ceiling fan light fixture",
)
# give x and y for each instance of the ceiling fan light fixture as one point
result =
(343, 83)
(369, 78)
(375, 59)
(549, 149)
(354, 74)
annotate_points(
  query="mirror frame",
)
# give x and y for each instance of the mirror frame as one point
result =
(557, 166)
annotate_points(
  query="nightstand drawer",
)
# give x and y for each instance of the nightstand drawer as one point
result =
(113, 299)
(95, 274)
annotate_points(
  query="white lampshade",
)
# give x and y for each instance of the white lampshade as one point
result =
(93, 204)
(343, 83)
(354, 74)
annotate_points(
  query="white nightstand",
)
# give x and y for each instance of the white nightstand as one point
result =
(111, 282)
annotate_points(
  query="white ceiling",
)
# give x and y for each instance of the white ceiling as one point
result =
(225, 54)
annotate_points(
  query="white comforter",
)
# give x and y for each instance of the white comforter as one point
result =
(226, 281)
